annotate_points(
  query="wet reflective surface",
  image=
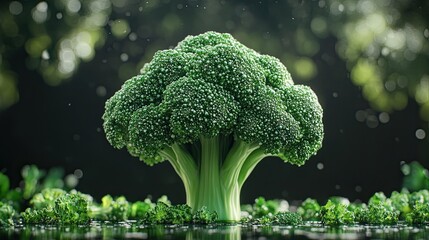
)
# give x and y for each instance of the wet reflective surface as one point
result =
(133, 230)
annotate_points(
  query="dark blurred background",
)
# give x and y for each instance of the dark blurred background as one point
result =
(368, 61)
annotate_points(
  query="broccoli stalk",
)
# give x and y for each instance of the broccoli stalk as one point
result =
(214, 109)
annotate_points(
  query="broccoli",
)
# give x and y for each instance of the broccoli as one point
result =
(214, 109)
(336, 213)
(309, 210)
(287, 218)
(416, 177)
(380, 210)
(55, 206)
(419, 214)
(7, 213)
(263, 207)
(400, 201)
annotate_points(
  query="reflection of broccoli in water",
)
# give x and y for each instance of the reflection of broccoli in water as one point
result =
(214, 109)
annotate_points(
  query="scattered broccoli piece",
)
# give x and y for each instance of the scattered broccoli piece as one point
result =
(31, 175)
(204, 216)
(421, 196)
(360, 211)
(164, 213)
(380, 211)
(118, 208)
(416, 177)
(340, 200)
(46, 198)
(214, 109)
(7, 213)
(419, 214)
(139, 209)
(382, 214)
(4, 185)
(335, 214)
(287, 218)
(400, 202)
(110, 209)
(263, 207)
(309, 210)
(56, 207)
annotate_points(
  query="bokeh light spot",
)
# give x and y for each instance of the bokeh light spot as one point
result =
(420, 134)
(15, 8)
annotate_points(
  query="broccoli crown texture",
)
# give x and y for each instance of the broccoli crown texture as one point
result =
(211, 85)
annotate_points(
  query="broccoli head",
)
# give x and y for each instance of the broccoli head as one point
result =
(214, 109)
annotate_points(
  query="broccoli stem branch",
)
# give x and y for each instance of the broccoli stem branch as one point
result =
(249, 164)
(214, 182)
(186, 168)
(210, 194)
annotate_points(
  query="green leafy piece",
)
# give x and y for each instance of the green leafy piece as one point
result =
(46, 198)
(419, 214)
(112, 209)
(59, 208)
(360, 212)
(336, 214)
(377, 198)
(421, 196)
(204, 216)
(263, 207)
(214, 109)
(139, 209)
(4, 185)
(7, 214)
(400, 201)
(71, 209)
(53, 179)
(31, 175)
(287, 218)
(382, 214)
(380, 211)
(416, 177)
(309, 210)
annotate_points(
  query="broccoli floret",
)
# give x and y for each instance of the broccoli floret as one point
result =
(214, 109)
(139, 209)
(263, 207)
(309, 210)
(419, 214)
(380, 211)
(360, 211)
(400, 201)
(287, 218)
(164, 213)
(416, 177)
(54, 206)
(204, 216)
(4, 185)
(335, 214)
(111, 209)
(421, 196)
(7, 213)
